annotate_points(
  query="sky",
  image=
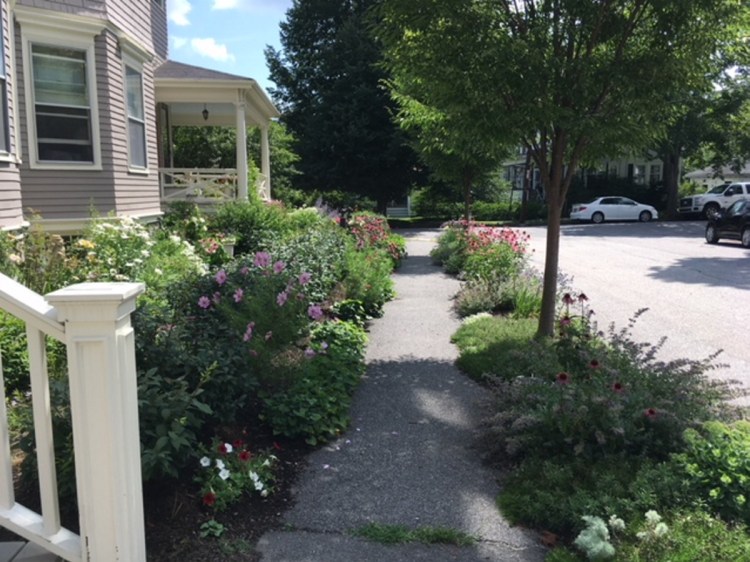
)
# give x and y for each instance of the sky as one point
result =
(226, 35)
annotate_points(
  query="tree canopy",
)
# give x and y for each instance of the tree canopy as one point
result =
(331, 93)
(574, 81)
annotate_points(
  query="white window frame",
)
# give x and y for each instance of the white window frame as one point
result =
(128, 61)
(63, 39)
(5, 70)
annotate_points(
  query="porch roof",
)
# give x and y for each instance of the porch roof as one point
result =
(188, 89)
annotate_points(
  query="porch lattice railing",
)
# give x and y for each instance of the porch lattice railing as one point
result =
(93, 321)
(212, 185)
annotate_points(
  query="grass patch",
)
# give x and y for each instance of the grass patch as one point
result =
(486, 343)
(399, 534)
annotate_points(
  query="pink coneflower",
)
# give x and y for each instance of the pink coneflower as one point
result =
(278, 267)
(565, 321)
(238, 295)
(649, 413)
(618, 388)
(567, 298)
(281, 298)
(304, 278)
(262, 259)
(562, 378)
(594, 364)
(582, 297)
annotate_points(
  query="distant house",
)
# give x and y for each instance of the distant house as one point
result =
(88, 100)
(709, 177)
(636, 169)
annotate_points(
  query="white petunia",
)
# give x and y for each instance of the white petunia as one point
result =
(220, 464)
(224, 474)
(205, 462)
(228, 447)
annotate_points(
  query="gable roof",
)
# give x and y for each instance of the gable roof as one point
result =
(181, 71)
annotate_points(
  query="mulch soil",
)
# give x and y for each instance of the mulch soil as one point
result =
(174, 513)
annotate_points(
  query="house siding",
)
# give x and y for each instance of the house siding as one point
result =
(11, 206)
(144, 20)
(59, 194)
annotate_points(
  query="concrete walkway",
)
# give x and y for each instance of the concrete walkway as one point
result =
(407, 458)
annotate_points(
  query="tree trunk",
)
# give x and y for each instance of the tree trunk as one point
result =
(549, 287)
(526, 188)
(671, 162)
(467, 180)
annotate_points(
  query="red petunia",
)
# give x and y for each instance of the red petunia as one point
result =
(277, 446)
(594, 364)
(617, 387)
(562, 378)
(209, 499)
(222, 448)
(245, 456)
(238, 443)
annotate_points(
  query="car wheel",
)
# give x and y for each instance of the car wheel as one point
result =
(746, 238)
(712, 235)
(710, 210)
(645, 216)
(597, 217)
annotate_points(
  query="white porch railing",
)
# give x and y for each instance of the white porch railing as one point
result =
(93, 321)
(262, 187)
(212, 185)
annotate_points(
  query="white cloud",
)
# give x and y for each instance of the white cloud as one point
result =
(225, 4)
(208, 47)
(178, 42)
(178, 11)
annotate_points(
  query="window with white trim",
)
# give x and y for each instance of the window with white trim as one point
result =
(62, 104)
(136, 120)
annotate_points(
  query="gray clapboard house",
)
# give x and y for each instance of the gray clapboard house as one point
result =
(88, 100)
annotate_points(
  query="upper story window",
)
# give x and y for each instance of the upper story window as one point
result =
(136, 120)
(62, 105)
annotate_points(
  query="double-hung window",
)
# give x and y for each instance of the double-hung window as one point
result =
(136, 119)
(62, 104)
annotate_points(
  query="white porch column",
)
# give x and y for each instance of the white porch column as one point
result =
(265, 161)
(104, 409)
(242, 191)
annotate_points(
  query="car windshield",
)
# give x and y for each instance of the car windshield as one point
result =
(718, 189)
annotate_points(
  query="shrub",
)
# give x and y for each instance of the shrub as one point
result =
(41, 260)
(716, 466)
(185, 220)
(554, 493)
(313, 403)
(493, 263)
(614, 397)
(253, 223)
(372, 231)
(478, 296)
(368, 279)
(170, 417)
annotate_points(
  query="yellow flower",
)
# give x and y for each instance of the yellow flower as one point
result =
(87, 244)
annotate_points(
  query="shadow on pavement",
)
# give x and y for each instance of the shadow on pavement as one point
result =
(717, 272)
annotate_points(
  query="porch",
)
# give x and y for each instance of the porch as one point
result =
(188, 95)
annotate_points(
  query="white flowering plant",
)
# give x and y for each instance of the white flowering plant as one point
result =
(230, 470)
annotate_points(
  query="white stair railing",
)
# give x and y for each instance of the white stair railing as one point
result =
(93, 321)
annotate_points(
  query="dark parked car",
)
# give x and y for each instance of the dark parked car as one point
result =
(732, 223)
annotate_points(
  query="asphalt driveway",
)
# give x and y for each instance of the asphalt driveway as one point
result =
(698, 294)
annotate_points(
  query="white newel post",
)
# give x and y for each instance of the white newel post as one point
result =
(104, 407)
(265, 160)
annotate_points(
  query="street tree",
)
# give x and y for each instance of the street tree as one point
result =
(573, 81)
(332, 97)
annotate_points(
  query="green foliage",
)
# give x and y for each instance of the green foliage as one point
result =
(41, 260)
(501, 346)
(554, 493)
(614, 397)
(253, 223)
(14, 353)
(478, 296)
(372, 231)
(493, 263)
(230, 471)
(451, 250)
(8, 257)
(211, 529)
(716, 466)
(368, 279)
(313, 402)
(184, 219)
(331, 94)
(398, 534)
(693, 535)
(350, 310)
(170, 415)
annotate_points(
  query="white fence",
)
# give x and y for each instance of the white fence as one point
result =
(198, 185)
(93, 321)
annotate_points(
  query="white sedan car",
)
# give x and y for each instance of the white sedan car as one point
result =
(613, 209)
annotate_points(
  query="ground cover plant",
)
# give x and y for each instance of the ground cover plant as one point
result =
(255, 351)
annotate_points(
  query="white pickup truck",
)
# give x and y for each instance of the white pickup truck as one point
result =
(719, 197)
